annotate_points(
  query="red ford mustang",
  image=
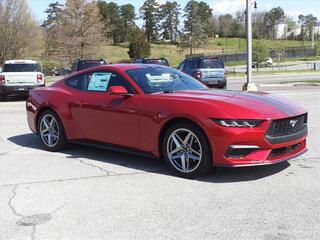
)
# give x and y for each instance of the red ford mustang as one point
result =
(160, 111)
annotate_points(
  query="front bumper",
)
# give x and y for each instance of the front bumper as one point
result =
(264, 152)
(17, 89)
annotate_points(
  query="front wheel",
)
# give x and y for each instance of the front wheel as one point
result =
(51, 131)
(186, 150)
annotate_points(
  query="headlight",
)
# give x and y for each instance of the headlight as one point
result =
(238, 123)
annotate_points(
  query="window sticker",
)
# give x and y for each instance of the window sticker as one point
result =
(165, 77)
(99, 82)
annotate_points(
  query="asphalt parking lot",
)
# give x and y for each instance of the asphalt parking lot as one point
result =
(85, 193)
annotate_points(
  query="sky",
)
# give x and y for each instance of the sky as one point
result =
(293, 8)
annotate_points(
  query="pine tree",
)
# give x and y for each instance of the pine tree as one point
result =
(170, 12)
(150, 14)
(128, 16)
(194, 30)
(110, 13)
(50, 26)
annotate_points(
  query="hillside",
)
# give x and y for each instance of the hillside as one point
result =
(118, 53)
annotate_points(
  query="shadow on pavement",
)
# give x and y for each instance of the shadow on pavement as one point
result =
(217, 175)
(16, 98)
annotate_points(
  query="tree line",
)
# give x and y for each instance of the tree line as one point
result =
(77, 28)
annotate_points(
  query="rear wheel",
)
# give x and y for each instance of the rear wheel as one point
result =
(51, 131)
(186, 150)
(3, 97)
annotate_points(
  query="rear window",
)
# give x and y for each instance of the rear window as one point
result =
(162, 62)
(211, 63)
(89, 63)
(22, 67)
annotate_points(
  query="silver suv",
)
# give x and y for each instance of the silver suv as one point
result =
(208, 70)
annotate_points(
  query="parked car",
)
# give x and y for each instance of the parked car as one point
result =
(209, 70)
(19, 76)
(81, 64)
(60, 71)
(158, 61)
(161, 112)
(267, 63)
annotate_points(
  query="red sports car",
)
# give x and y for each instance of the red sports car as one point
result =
(160, 111)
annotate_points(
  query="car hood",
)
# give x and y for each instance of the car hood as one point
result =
(245, 105)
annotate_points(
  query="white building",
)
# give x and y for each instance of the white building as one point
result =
(280, 30)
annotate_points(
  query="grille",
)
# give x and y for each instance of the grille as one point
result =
(287, 126)
(284, 150)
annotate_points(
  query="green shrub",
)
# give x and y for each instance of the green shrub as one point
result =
(138, 46)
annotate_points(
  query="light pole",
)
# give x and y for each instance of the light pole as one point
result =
(249, 85)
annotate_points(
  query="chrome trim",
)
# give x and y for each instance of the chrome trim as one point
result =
(244, 146)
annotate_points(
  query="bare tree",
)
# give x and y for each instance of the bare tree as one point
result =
(80, 30)
(20, 35)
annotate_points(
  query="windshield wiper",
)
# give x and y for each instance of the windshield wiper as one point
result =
(168, 91)
(165, 91)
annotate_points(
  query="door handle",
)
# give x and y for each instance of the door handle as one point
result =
(81, 103)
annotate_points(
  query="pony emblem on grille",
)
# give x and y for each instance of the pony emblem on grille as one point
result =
(293, 122)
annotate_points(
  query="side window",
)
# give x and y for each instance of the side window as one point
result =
(102, 81)
(99, 81)
(181, 66)
(188, 65)
(76, 82)
(195, 63)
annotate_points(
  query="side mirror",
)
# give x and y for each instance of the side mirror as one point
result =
(119, 90)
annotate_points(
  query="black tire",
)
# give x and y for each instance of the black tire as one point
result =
(206, 160)
(3, 97)
(62, 139)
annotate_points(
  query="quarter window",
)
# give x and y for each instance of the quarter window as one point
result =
(76, 82)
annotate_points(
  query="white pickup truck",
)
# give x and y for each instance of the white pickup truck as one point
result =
(19, 76)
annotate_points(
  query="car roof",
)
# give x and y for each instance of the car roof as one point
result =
(116, 67)
(86, 60)
(20, 61)
(205, 57)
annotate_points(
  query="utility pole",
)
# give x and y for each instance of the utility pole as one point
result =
(249, 85)
(312, 36)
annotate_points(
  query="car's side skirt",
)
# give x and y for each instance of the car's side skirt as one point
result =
(113, 147)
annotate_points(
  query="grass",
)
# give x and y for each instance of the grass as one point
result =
(116, 54)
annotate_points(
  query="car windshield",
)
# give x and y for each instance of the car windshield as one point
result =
(22, 67)
(90, 63)
(211, 63)
(163, 79)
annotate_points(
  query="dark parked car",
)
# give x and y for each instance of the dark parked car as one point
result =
(158, 61)
(81, 64)
(208, 70)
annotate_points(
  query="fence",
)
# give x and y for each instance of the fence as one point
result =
(289, 52)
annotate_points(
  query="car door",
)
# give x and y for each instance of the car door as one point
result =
(108, 118)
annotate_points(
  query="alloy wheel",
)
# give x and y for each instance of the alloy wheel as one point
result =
(49, 130)
(184, 150)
